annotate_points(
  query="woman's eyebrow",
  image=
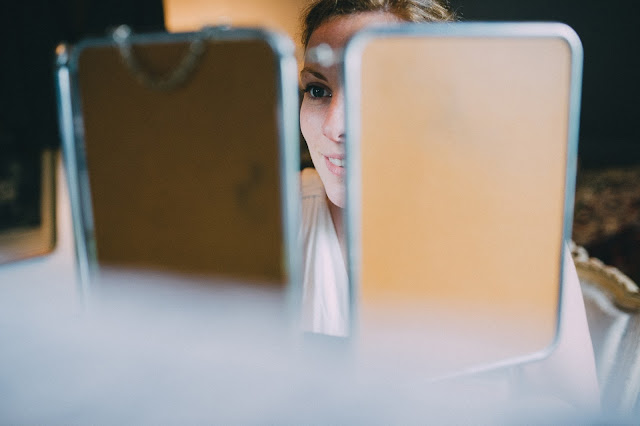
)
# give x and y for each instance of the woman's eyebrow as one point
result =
(314, 73)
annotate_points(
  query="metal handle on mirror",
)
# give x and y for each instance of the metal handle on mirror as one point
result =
(170, 81)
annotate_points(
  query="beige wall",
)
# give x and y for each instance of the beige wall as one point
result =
(190, 15)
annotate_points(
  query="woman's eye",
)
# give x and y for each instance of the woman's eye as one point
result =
(317, 91)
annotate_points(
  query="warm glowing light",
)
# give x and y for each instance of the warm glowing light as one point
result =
(191, 15)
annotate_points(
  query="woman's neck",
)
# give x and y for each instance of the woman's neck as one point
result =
(337, 215)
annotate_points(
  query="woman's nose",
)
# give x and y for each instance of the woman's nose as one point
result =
(333, 126)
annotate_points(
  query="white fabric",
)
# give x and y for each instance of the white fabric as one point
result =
(325, 307)
(567, 376)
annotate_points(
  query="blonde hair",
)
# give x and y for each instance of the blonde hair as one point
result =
(320, 11)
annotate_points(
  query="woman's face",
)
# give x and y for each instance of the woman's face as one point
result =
(322, 110)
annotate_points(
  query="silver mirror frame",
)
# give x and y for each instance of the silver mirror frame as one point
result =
(73, 143)
(351, 63)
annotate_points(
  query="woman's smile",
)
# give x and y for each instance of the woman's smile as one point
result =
(335, 164)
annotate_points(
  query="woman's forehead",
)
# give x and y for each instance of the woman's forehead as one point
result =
(336, 31)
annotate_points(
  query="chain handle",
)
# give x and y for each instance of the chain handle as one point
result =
(170, 81)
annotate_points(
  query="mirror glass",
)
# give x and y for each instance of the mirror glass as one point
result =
(182, 158)
(458, 180)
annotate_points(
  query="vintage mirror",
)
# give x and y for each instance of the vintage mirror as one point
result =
(461, 156)
(181, 150)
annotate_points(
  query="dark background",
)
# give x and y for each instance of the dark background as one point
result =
(29, 33)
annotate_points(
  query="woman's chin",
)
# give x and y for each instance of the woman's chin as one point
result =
(337, 196)
(334, 186)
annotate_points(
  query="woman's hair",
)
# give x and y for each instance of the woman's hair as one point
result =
(320, 11)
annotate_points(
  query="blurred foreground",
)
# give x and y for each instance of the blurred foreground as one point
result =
(148, 351)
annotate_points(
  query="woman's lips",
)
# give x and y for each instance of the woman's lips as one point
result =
(335, 165)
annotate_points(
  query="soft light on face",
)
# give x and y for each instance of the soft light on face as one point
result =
(322, 110)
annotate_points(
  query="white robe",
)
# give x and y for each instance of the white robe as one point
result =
(325, 308)
(566, 376)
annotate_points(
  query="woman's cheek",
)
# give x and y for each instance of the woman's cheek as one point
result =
(303, 123)
(309, 124)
